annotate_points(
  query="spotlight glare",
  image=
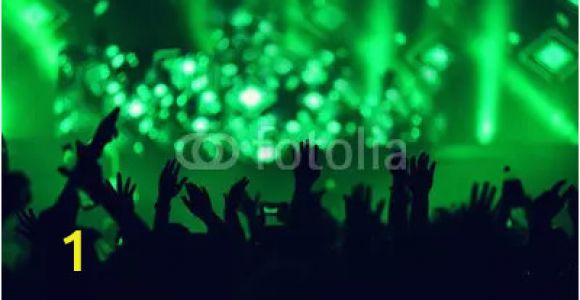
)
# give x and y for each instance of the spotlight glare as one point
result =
(251, 97)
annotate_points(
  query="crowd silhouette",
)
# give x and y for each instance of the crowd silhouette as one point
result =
(467, 253)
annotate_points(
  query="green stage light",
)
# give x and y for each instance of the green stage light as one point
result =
(553, 56)
(179, 145)
(266, 153)
(117, 61)
(200, 124)
(188, 66)
(199, 83)
(136, 109)
(241, 18)
(166, 101)
(333, 127)
(160, 90)
(562, 20)
(230, 70)
(251, 97)
(235, 102)
(113, 87)
(415, 133)
(112, 50)
(119, 99)
(434, 3)
(437, 57)
(293, 127)
(138, 148)
(313, 100)
(145, 125)
(514, 38)
(416, 120)
(36, 15)
(209, 103)
(314, 73)
(66, 125)
(101, 7)
(132, 59)
(400, 38)
(430, 75)
(164, 114)
(34, 23)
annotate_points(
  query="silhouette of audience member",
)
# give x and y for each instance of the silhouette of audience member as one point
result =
(471, 252)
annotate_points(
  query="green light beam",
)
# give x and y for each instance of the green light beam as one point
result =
(27, 18)
(376, 49)
(490, 54)
(541, 104)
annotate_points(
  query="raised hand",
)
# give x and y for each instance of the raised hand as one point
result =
(237, 194)
(198, 201)
(120, 205)
(105, 133)
(169, 183)
(87, 174)
(480, 209)
(169, 187)
(232, 201)
(199, 204)
(307, 170)
(399, 198)
(541, 212)
(120, 199)
(512, 196)
(359, 214)
(250, 207)
(421, 171)
(482, 200)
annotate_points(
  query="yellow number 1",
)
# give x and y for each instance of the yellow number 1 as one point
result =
(75, 238)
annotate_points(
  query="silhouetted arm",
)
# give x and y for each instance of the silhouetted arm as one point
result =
(421, 173)
(232, 201)
(199, 204)
(169, 187)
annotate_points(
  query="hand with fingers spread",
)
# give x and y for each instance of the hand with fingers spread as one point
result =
(481, 202)
(198, 202)
(169, 183)
(307, 170)
(359, 215)
(119, 202)
(542, 211)
(421, 171)
(169, 187)
(120, 205)
(480, 208)
(28, 224)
